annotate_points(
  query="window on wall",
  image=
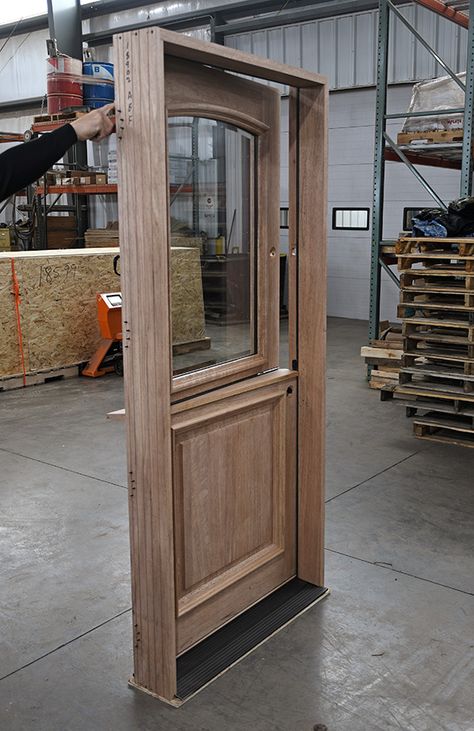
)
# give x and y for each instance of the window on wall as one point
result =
(410, 213)
(350, 219)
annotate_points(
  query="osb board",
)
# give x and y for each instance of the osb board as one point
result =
(187, 302)
(58, 310)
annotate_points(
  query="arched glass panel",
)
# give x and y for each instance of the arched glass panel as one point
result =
(213, 262)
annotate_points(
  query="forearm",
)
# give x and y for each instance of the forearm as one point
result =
(23, 164)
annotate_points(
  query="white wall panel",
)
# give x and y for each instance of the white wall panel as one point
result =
(276, 50)
(327, 50)
(293, 46)
(310, 46)
(425, 65)
(402, 47)
(23, 67)
(365, 62)
(345, 52)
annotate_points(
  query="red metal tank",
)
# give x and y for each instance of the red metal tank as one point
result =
(63, 83)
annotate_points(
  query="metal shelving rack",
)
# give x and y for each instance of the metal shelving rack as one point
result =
(451, 155)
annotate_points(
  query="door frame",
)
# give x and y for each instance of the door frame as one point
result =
(143, 195)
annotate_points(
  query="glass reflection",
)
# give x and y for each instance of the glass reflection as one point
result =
(213, 298)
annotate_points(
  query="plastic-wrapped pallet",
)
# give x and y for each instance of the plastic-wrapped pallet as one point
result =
(433, 95)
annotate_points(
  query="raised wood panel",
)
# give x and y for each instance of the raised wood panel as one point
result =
(226, 470)
(235, 498)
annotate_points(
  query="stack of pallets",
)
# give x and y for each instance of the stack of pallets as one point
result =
(383, 356)
(436, 380)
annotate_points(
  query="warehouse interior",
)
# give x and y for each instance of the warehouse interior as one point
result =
(391, 645)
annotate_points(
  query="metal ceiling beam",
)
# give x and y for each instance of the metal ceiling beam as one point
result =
(185, 21)
(231, 9)
(18, 105)
(290, 16)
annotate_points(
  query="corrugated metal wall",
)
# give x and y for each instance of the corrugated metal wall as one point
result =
(344, 48)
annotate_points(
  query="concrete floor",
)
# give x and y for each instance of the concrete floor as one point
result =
(391, 648)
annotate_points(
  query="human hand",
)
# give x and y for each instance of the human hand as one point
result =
(96, 125)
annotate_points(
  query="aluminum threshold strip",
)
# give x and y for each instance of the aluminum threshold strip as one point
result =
(211, 657)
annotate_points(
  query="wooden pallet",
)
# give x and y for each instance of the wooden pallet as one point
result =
(432, 309)
(58, 117)
(437, 357)
(422, 285)
(34, 379)
(425, 372)
(435, 391)
(383, 355)
(421, 245)
(435, 427)
(435, 136)
(417, 404)
(437, 330)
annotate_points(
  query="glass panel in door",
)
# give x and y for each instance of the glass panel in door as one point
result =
(213, 251)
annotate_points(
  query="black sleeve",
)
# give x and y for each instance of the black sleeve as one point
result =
(25, 163)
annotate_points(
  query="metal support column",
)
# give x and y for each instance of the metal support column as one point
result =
(65, 27)
(466, 169)
(379, 168)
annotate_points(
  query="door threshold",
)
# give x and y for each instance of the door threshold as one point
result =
(204, 662)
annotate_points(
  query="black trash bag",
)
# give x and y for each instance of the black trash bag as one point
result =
(429, 216)
(458, 220)
(461, 217)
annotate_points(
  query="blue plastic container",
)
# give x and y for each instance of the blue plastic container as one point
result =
(98, 94)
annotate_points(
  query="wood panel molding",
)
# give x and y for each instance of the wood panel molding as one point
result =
(224, 114)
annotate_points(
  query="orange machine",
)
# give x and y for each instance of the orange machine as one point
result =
(108, 356)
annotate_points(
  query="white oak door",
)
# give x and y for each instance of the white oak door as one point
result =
(225, 449)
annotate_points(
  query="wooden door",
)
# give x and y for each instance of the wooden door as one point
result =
(225, 448)
(234, 466)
